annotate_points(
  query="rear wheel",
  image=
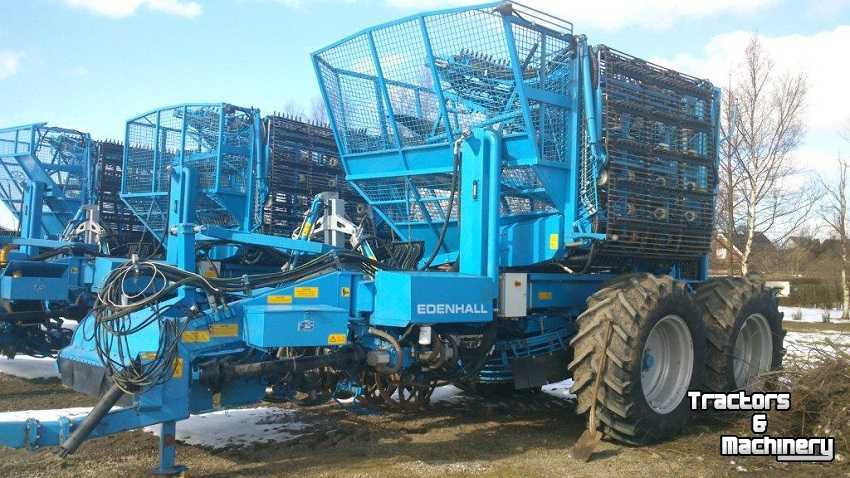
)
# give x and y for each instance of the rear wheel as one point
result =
(744, 330)
(653, 357)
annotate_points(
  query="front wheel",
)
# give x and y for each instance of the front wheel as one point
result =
(653, 356)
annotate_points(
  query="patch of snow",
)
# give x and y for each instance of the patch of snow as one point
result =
(24, 366)
(44, 415)
(560, 389)
(239, 427)
(804, 345)
(810, 314)
(446, 393)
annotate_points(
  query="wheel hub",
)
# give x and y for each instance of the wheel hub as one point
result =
(667, 364)
(753, 352)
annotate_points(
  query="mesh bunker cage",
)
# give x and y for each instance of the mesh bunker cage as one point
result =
(400, 93)
(219, 143)
(59, 158)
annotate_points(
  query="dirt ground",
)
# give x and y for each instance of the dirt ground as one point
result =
(522, 437)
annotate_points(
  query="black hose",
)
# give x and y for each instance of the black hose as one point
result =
(93, 419)
(442, 237)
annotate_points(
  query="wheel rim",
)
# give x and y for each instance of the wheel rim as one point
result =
(667, 364)
(753, 352)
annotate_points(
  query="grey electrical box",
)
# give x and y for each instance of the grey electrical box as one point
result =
(513, 295)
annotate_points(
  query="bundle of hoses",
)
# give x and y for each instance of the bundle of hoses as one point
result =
(132, 297)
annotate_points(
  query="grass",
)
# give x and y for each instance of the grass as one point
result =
(793, 326)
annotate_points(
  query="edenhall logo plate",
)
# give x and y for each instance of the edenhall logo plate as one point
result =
(444, 309)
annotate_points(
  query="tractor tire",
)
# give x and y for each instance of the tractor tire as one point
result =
(744, 330)
(642, 397)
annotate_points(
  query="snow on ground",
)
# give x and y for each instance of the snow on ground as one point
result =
(811, 314)
(239, 427)
(805, 345)
(24, 366)
(560, 389)
(44, 415)
(447, 393)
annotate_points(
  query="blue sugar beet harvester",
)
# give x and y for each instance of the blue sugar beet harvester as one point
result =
(552, 203)
(48, 172)
(47, 183)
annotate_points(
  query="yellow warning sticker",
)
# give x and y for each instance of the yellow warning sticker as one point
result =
(279, 299)
(306, 292)
(553, 242)
(178, 368)
(544, 295)
(148, 356)
(193, 336)
(224, 330)
(337, 339)
(210, 274)
(346, 292)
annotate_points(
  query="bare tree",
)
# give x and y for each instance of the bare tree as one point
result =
(729, 179)
(769, 128)
(834, 213)
(293, 109)
(318, 114)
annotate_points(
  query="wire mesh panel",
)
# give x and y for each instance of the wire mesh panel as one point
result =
(660, 132)
(216, 142)
(420, 81)
(125, 232)
(57, 157)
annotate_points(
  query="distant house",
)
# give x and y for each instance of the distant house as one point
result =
(724, 256)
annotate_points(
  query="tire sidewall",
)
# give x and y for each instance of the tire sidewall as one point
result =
(762, 303)
(662, 426)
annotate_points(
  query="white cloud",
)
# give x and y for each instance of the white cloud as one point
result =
(617, 14)
(125, 8)
(9, 61)
(297, 4)
(828, 107)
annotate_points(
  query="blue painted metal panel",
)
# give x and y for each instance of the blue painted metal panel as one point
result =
(404, 298)
(295, 325)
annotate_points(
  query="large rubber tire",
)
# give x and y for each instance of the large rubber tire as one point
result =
(725, 304)
(633, 305)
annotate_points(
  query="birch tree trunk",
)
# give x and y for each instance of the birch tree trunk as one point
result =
(769, 128)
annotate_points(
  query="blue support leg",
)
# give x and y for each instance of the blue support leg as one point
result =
(168, 451)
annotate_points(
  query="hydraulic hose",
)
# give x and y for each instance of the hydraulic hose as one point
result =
(395, 345)
(455, 173)
(93, 419)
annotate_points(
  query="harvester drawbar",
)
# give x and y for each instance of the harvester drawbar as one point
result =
(552, 204)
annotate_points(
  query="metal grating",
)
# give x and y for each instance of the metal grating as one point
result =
(57, 157)
(423, 79)
(217, 142)
(660, 133)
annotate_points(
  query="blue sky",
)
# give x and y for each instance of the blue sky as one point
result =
(91, 64)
